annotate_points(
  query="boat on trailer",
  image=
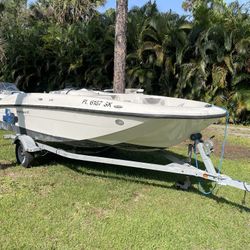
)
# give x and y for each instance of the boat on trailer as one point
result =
(84, 118)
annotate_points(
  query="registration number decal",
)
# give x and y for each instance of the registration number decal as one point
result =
(97, 103)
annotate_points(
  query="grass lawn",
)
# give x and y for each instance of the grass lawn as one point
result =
(63, 204)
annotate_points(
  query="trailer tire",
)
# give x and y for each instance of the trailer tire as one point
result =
(23, 157)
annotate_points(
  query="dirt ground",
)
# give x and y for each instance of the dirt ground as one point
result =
(232, 130)
(232, 150)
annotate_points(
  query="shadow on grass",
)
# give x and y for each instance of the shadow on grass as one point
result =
(7, 165)
(137, 175)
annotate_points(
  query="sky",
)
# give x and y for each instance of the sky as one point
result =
(163, 5)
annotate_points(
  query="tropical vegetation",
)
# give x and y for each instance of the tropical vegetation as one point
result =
(63, 43)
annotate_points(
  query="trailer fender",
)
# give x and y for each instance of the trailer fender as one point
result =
(28, 143)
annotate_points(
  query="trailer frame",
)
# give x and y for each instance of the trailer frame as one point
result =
(177, 166)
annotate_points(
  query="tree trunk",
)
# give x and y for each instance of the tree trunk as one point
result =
(120, 46)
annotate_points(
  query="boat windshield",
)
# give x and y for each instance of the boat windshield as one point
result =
(6, 86)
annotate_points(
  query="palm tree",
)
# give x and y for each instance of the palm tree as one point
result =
(162, 44)
(66, 11)
(120, 46)
(222, 48)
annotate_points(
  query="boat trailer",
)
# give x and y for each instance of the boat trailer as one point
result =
(27, 148)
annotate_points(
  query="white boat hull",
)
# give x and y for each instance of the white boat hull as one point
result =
(80, 129)
(102, 119)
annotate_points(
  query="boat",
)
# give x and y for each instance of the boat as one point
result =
(72, 119)
(89, 118)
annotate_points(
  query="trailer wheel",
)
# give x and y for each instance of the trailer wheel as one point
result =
(23, 157)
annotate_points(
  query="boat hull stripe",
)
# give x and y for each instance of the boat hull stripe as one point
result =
(160, 116)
